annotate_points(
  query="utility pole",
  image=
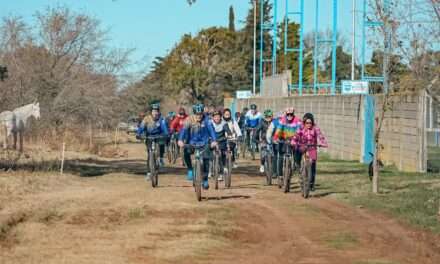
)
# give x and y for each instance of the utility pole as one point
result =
(353, 41)
(255, 48)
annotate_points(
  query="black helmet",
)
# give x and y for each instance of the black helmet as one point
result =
(253, 107)
(198, 108)
(155, 106)
(309, 116)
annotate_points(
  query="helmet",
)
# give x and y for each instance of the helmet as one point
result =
(155, 106)
(289, 110)
(198, 108)
(268, 113)
(253, 107)
(171, 114)
(309, 116)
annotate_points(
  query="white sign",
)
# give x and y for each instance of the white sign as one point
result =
(355, 87)
(244, 94)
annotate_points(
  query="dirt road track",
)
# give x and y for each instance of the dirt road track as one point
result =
(119, 218)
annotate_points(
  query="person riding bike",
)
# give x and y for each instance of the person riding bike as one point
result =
(261, 134)
(241, 118)
(198, 131)
(235, 132)
(170, 118)
(179, 121)
(281, 130)
(252, 120)
(221, 129)
(310, 134)
(153, 125)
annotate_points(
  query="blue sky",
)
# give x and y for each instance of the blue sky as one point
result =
(154, 26)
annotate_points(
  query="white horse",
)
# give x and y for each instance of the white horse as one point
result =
(15, 122)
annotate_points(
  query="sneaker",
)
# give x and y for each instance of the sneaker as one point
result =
(261, 168)
(312, 188)
(234, 165)
(205, 184)
(161, 163)
(189, 175)
(148, 176)
(220, 177)
(209, 175)
(225, 171)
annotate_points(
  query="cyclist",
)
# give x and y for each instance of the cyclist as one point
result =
(235, 132)
(221, 129)
(261, 134)
(241, 118)
(283, 129)
(252, 120)
(170, 118)
(198, 130)
(179, 121)
(310, 134)
(153, 125)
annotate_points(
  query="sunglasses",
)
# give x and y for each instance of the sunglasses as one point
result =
(289, 114)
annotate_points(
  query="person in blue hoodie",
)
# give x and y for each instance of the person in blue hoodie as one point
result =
(198, 130)
(154, 125)
(252, 121)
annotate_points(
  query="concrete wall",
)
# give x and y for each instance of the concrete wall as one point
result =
(279, 85)
(341, 118)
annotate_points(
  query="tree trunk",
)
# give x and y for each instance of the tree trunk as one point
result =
(376, 170)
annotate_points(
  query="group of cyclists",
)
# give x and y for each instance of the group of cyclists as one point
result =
(216, 130)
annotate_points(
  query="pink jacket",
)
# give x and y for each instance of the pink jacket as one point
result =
(311, 136)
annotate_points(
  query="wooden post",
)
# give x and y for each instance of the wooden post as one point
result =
(62, 158)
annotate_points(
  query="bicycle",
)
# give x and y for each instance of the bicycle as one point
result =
(228, 165)
(216, 166)
(280, 178)
(306, 171)
(252, 142)
(288, 167)
(173, 149)
(268, 161)
(197, 173)
(154, 158)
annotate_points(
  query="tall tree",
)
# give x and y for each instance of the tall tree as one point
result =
(231, 19)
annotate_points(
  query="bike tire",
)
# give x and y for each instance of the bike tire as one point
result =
(279, 177)
(306, 178)
(287, 171)
(268, 169)
(216, 168)
(197, 177)
(243, 149)
(253, 149)
(229, 167)
(153, 169)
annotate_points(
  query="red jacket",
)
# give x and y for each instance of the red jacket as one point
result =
(178, 123)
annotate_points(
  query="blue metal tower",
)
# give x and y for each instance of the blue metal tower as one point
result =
(300, 49)
(318, 42)
(366, 24)
(268, 27)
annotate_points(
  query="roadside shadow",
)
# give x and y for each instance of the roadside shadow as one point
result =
(227, 197)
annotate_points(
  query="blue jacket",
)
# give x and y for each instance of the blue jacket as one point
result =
(151, 127)
(197, 133)
(252, 121)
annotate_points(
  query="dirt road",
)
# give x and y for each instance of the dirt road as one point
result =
(118, 218)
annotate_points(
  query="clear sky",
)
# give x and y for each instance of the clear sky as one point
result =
(154, 26)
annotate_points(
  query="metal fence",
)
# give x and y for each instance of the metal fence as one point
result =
(433, 134)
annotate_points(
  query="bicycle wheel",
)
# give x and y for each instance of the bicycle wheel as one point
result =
(153, 169)
(253, 149)
(229, 167)
(243, 148)
(268, 169)
(305, 175)
(216, 169)
(169, 153)
(287, 171)
(279, 175)
(198, 180)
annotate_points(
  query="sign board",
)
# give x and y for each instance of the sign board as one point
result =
(355, 87)
(244, 94)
